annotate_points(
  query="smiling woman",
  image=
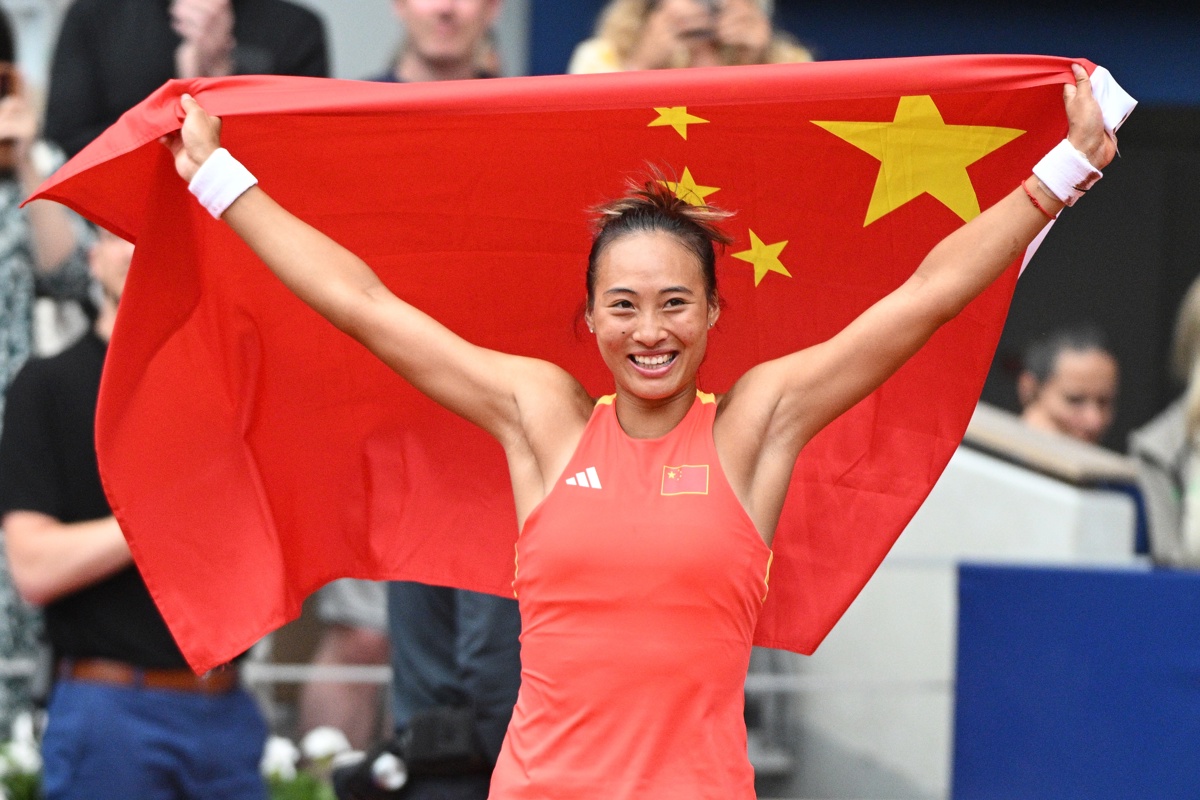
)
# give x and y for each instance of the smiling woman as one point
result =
(652, 294)
(1069, 384)
(646, 515)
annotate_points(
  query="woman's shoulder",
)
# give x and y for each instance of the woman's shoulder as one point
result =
(551, 390)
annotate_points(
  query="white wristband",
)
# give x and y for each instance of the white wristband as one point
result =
(1066, 172)
(220, 180)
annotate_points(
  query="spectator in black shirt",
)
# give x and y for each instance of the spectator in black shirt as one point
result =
(111, 54)
(127, 717)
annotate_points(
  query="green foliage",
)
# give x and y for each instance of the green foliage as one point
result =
(302, 787)
(22, 786)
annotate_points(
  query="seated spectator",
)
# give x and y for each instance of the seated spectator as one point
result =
(1068, 384)
(111, 55)
(1166, 453)
(658, 34)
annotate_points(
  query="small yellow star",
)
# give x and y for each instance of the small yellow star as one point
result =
(764, 257)
(677, 117)
(672, 474)
(688, 190)
(919, 153)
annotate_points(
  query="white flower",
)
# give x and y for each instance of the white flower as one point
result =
(389, 772)
(23, 757)
(279, 759)
(346, 758)
(22, 728)
(324, 742)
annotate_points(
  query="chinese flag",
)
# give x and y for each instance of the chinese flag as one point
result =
(685, 479)
(252, 452)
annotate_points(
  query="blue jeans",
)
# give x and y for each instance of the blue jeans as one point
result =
(106, 742)
(451, 647)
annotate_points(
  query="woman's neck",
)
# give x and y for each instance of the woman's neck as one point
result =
(649, 419)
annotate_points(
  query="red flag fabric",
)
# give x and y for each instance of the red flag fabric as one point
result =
(252, 453)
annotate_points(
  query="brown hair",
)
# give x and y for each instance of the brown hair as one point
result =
(648, 205)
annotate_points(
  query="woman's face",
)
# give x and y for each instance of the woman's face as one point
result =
(1079, 397)
(651, 315)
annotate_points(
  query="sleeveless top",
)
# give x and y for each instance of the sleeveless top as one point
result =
(640, 578)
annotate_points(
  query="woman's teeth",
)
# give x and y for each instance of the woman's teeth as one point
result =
(653, 361)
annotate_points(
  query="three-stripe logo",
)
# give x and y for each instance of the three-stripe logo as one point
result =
(588, 479)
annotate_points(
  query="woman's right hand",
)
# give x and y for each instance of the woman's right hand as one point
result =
(195, 141)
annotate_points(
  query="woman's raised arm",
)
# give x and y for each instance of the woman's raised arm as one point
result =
(783, 403)
(481, 385)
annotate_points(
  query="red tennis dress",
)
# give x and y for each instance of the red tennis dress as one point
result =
(640, 578)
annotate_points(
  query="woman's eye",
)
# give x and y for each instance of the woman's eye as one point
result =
(674, 302)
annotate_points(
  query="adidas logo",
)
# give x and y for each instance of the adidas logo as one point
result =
(588, 479)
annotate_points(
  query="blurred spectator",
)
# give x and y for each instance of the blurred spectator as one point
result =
(657, 34)
(354, 613)
(455, 654)
(1166, 452)
(111, 54)
(1068, 384)
(444, 40)
(127, 717)
(41, 253)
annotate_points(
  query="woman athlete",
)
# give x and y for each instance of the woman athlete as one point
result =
(646, 516)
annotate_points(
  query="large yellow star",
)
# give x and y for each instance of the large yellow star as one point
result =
(919, 153)
(677, 117)
(764, 257)
(688, 190)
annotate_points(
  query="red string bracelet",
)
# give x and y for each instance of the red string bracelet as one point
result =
(1035, 202)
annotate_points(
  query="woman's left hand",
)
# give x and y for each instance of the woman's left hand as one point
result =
(1085, 122)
